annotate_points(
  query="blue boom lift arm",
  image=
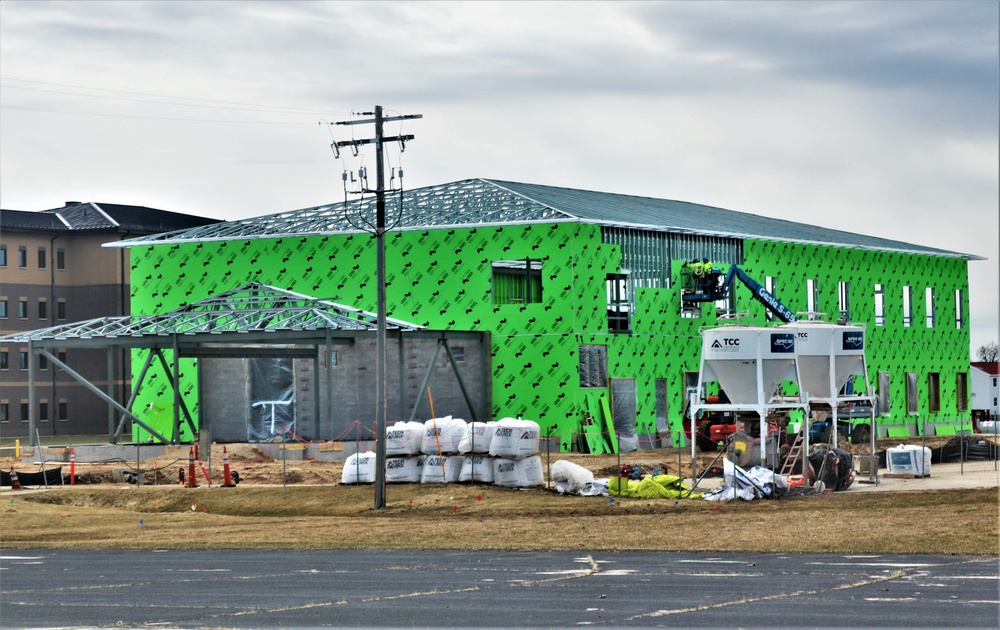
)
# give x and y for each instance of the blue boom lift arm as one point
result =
(709, 289)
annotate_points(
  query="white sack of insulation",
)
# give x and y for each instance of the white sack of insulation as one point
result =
(359, 468)
(403, 469)
(575, 476)
(404, 438)
(518, 473)
(445, 433)
(477, 468)
(477, 438)
(433, 472)
(514, 439)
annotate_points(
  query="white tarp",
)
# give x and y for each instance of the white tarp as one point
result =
(756, 483)
(570, 477)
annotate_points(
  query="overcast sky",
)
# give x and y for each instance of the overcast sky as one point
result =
(874, 117)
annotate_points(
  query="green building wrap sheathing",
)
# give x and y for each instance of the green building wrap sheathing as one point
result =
(443, 278)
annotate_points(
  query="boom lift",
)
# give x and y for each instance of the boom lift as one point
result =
(703, 282)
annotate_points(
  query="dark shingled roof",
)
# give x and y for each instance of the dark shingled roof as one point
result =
(100, 217)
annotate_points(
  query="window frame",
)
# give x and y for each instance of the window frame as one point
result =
(930, 307)
(934, 392)
(907, 306)
(912, 392)
(43, 258)
(879, 304)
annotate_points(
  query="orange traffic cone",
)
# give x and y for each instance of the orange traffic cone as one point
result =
(227, 475)
(14, 483)
(192, 480)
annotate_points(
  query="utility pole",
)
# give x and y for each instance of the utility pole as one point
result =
(380, 359)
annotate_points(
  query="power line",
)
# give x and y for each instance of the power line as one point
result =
(209, 120)
(185, 98)
(139, 100)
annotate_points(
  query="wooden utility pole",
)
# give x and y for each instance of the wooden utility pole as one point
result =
(380, 360)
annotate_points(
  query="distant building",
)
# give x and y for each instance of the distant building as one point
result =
(53, 269)
(985, 390)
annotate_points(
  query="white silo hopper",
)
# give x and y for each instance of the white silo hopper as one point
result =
(828, 355)
(748, 362)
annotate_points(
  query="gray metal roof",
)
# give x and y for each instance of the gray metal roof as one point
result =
(253, 308)
(485, 202)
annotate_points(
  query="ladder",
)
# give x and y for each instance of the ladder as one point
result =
(794, 454)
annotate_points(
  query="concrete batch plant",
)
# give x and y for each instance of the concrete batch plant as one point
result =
(578, 296)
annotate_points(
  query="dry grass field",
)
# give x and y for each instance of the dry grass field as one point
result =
(314, 512)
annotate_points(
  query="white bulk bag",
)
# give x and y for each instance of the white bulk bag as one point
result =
(477, 468)
(359, 468)
(433, 472)
(908, 459)
(404, 438)
(575, 476)
(403, 469)
(518, 473)
(442, 433)
(477, 438)
(515, 439)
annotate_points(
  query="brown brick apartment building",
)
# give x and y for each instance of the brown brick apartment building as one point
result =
(54, 271)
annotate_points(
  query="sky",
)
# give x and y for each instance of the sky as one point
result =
(874, 117)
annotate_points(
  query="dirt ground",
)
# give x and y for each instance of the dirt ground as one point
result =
(253, 465)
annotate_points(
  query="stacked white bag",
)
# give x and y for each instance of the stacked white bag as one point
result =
(477, 438)
(404, 438)
(477, 468)
(514, 439)
(359, 468)
(434, 472)
(442, 435)
(518, 473)
(403, 469)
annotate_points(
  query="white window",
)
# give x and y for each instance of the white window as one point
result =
(879, 305)
(907, 306)
(929, 304)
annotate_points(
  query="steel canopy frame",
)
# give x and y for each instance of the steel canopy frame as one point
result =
(253, 320)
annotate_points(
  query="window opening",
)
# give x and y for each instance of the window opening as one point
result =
(22, 308)
(60, 259)
(844, 299)
(879, 305)
(517, 281)
(618, 302)
(43, 310)
(911, 392)
(929, 306)
(907, 307)
(42, 261)
(4, 360)
(25, 410)
(63, 411)
(4, 412)
(884, 399)
(23, 359)
(3, 255)
(959, 315)
(593, 366)
(61, 309)
(812, 296)
(962, 391)
(934, 392)
(3, 309)
(770, 286)
(22, 257)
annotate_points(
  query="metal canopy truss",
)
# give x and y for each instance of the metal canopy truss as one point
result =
(253, 308)
(251, 321)
(468, 203)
